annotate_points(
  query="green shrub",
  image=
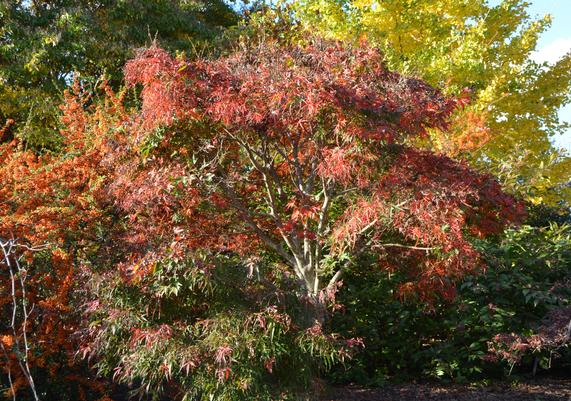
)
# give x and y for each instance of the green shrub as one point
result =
(527, 277)
(204, 329)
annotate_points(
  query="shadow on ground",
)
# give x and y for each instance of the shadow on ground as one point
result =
(544, 390)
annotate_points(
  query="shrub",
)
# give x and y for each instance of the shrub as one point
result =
(203, 327)
(526, 279)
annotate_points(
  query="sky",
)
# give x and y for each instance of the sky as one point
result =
(553, 44)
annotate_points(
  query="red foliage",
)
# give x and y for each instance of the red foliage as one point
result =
(287, 91)
(430, 201)
(286, 130)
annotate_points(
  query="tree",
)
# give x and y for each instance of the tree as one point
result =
(306, 160)
(471, 44)
(284, 165)
(45, 45)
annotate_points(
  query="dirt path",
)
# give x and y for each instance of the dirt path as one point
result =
(541, 390)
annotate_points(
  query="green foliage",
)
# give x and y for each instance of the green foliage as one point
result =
(202, 330)
(527, 277)
(44, 45)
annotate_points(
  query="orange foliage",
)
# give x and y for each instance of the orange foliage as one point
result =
(467, 134)
(53, 202)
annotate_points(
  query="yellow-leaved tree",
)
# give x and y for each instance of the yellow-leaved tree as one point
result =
(457, 44)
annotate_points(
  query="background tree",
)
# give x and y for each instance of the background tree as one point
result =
(471, 44)
(45, 45)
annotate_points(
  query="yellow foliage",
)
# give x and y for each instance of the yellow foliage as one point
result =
(457, 44)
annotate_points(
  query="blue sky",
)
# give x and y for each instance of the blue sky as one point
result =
(553, 44)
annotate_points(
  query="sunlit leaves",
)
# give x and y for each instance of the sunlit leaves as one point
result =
(487, 48)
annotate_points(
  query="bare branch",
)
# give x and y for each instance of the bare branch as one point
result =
(420, 248)
(17, 270)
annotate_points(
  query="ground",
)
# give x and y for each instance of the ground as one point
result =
(539, 390)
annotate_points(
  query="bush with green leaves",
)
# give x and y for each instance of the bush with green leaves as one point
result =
(526, 279)
(204, 328)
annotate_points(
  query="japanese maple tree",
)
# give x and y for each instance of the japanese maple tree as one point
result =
(300, 152)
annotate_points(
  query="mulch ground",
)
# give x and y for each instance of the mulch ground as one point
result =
(540, 390)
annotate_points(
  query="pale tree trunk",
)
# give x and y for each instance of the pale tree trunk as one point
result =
(18, 276)
(304, 255)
